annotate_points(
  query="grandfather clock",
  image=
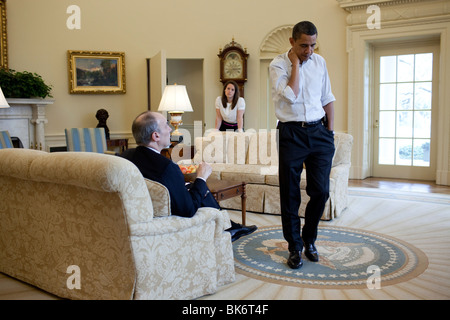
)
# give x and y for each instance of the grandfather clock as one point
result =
(233, 64)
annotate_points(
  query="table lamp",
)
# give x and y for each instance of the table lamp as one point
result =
(175, 101)
(3, 102)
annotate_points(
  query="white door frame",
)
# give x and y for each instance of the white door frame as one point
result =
(360, 41)
(406, 171)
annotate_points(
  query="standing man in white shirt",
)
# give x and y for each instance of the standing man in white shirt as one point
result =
(304, 106)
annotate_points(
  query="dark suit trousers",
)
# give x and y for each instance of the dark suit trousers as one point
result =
(313, 146)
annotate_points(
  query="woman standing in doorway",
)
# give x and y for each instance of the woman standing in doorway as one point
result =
(230, 108)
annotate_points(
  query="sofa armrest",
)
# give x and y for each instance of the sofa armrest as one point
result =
(343, 143)
(340, 175)
(340, 170)
(160, 198)
(174, 224)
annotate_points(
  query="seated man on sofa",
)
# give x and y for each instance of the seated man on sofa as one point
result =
(152, 133)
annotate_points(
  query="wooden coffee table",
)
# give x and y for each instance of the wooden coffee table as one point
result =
(226, 189)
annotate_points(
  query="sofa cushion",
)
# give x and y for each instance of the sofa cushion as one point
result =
(272, 179)
(212, 148)
(262, 148)
(249, 173)
(237, 146)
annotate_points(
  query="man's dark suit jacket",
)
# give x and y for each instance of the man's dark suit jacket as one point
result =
(158, 168)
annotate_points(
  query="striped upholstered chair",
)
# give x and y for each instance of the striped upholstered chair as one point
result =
(86, 139)
(5, 140)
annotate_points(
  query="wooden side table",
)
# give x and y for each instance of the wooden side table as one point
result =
(226, 189)
(122, 144)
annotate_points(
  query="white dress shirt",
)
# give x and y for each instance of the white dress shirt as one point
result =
(315, 89)
(229, 115)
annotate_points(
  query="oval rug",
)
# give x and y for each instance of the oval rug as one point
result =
(349, 258)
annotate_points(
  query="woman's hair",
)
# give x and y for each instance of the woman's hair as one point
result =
(304, 27)
(143, 127)
(236, 94)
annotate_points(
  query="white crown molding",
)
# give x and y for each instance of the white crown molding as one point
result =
(396, 11)
(352, 5)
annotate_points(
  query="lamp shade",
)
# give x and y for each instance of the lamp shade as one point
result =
(175, 98)
(3, 102)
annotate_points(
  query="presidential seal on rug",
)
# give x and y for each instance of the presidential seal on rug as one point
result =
(349, 258)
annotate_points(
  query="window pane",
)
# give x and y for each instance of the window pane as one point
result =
(405, 68)
(421, 155)
(424, 67)
(387, 124)
(405, 96)
(386, 153)
(404, 124)
(422, 95)
(422, 124)
(404, 152)
(387, 96)
(388, 67)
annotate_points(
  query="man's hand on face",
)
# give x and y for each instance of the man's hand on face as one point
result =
(293, 57)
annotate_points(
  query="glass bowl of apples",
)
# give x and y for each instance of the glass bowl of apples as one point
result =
(189, 171)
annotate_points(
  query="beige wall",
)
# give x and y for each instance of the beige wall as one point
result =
(38, 40)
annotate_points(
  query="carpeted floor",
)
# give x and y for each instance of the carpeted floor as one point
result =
(412, 234)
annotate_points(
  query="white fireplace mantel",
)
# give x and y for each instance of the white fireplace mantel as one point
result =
(26, 119)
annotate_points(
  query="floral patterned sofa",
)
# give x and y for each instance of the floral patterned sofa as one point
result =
(253, 157)
(89, 226)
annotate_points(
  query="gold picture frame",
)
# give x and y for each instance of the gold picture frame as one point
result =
(96, 72)
(4, 36)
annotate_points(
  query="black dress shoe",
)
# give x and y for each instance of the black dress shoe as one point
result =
(295, 260)
(311, 252)
(239, 230)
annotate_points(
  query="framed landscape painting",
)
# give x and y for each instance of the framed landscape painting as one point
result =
(96, 72)
(3, 36)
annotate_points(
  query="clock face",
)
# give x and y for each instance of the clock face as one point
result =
(233, 66)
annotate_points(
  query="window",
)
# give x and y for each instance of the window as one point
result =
(405, 100)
